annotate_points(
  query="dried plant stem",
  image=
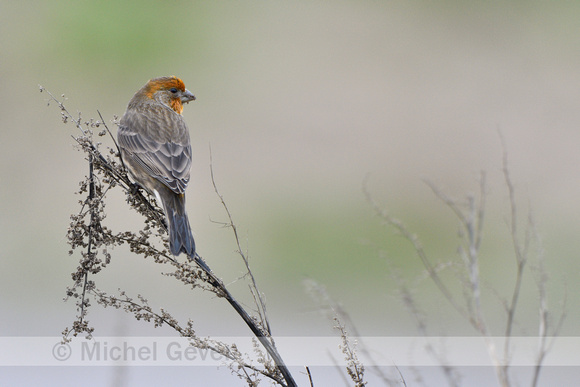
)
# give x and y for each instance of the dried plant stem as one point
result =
(309, 376)
(264, 337)
(418, 248)
(89, 244)
(471, 219)
(258, 298)
(471, 222)
(336, 313)
(521, 255)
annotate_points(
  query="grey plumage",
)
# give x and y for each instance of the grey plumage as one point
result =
(155, 148)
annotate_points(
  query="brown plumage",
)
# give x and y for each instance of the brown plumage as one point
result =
(156, 149)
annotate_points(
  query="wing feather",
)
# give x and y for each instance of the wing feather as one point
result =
(158, 141)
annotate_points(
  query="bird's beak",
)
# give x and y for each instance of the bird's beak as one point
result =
(187, 96)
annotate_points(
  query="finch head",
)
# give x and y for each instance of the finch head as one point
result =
(170, 91)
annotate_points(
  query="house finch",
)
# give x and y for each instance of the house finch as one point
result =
(156, 150)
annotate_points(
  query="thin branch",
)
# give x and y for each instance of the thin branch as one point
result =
(544, 323)
(354, 367)
(471, 222)
(414, 240)
(90, 239)
(262, 336)
(521, 260)
(110, 134)
(472, 225)
(260, 304)
(309, 376)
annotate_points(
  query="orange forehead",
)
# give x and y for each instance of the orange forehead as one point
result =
(164, 83)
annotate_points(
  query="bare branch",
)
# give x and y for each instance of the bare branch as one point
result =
(258, 297)
(414, 240)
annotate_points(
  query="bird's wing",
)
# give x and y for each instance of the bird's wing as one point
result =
(160, 145)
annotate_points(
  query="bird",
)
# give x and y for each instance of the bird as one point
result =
(155, 148)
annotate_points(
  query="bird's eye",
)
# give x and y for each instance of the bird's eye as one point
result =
(173, 90)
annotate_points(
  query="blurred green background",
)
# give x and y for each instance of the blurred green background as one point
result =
(301, 102)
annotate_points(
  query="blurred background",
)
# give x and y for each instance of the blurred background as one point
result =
(303, 105)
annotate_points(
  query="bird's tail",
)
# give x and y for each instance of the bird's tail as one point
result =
(180, 236)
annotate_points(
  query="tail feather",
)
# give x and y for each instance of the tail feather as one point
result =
(180, 236)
